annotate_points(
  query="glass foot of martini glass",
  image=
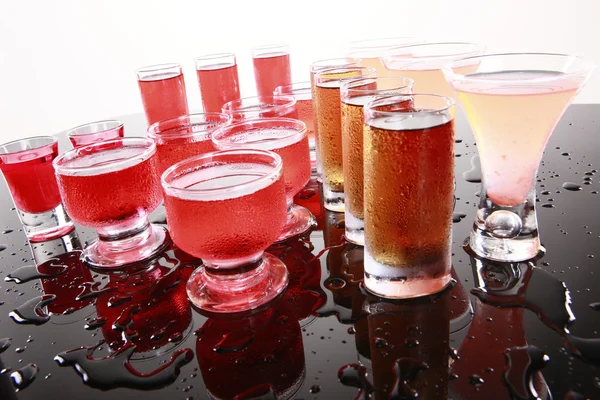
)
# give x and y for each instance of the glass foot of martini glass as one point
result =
(112, 187)
(513, 102)
(226, 208)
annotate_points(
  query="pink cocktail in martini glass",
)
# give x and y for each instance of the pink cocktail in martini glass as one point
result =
(513, 102)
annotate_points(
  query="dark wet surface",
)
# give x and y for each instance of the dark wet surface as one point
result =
(535, 328)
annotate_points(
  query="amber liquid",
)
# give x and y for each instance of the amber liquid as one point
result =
(409, 175)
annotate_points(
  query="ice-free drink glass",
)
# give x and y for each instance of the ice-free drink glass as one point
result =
(184, 137)
(354, 95)
(302, 92)
(513, 102)
(218, 80)
(271, 67)
(370, 51)
(286, 137)
(27, 168)
(112, 187)
(226, 208)
(268, 106)
(409, 188)
(95, 132)
(163, 92)
(329, 128)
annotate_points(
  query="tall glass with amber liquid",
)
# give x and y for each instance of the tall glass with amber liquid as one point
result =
(354, 95)
(329, 128)
(408, 194)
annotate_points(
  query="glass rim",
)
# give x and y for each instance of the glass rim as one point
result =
(255, 124)
(356, 44)
(369, 107)
(184, 166)
(157, 67)
(107, 166)
(315, 68)
(268, 46)
(587, 67)
(476, 49)
(116, 125)
(305, 89)
(51, 141)
(320, 74)
(213, 56)
(153, 131)
(345, 87)
(289, 101)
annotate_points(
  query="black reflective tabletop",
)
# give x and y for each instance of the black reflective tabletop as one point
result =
(502, 331)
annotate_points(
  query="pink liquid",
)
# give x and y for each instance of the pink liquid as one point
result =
(512, 124)
(236, 226)
(171, 152)
(164, 97)
(270, 71)
(114, 197)
(306, 115)
(90, 138)
(32, 182)
(218, 85)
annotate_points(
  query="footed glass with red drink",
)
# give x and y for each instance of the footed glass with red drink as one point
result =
(27, 168)
(112, 187)
(268, 106)
(226, 208)
(286, 137)
(95, 132)
(184, 137)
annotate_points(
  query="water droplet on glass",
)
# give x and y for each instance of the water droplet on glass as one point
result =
(315, 389)
(571, 186)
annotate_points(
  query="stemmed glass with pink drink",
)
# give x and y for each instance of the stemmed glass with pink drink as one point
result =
(95, 132)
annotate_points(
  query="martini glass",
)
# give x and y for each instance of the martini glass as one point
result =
(513, 102)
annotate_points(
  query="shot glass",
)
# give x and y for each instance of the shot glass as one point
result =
(226, 208)
(354, 95)
(218, 80)
(163, 92)
(271, 67)
(112, 187)
(184, 137)
(95, 132)
(302, 92)
(27, 168)
(423, 63)
(329, 128)
(370, 51)
(287, 138)
(314, 68)
(268, 106)
(409, 188)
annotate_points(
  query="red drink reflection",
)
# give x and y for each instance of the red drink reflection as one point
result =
(271, 69)
(163, 92)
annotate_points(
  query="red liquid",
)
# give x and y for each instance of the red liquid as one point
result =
(296, 166)
(32, 183)
(310, 198)
(164, 97)
(248, 357)
(227, 229)
(218, 85)
(105, 199)
(270, 71)
(89, 138)
(306, 115)
(171, 152)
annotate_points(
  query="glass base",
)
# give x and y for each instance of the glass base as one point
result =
(299, 220)
(138, 247)
(333, 201)
(355, 229)
(520, 248)
(48, 225)
(231, 292)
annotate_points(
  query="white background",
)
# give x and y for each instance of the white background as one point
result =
(67, 62)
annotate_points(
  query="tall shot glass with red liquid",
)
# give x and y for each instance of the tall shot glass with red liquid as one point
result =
(218, 80)
(112, 187)
(95, 132)
(271, 67)
(184, 137)
(163, 92)
(27, 168)
(286, 137)
(226, 208)
(268, 106)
